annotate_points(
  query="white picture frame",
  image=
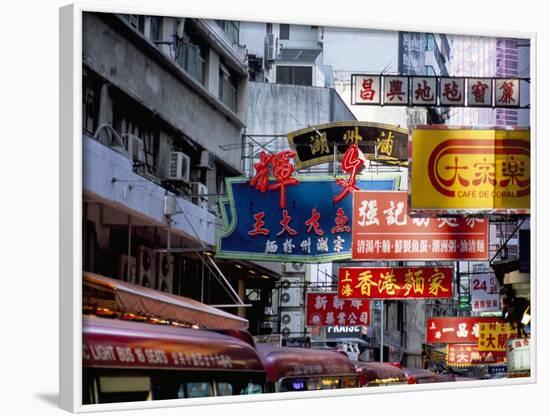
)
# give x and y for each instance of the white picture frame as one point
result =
(70, 292)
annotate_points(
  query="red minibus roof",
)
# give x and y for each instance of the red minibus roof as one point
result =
(371, 371)
(122, 344)
(282, 362)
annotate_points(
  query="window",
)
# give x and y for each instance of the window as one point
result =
(430, 42)
(284, 31)
(124, 389)
(156, 24)
(224, 388)
(429, 70)
(227, 88)
(252, 388)
(90, 103)
(295, 75)
(200, 389)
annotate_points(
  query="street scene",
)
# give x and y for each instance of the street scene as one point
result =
(274, 207)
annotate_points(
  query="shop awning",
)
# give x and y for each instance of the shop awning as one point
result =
(127, 297)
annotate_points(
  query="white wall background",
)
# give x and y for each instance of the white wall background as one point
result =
(29, 216)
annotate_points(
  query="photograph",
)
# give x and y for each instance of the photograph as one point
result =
(271, 207)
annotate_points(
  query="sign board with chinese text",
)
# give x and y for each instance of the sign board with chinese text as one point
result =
(494, 335)
(327, 309)
(465, 355)
(458, 170)
(381, 142)
(435, 91)
(367, 90)
(395, 282)
(311, 229)
(484, 290)
(518, 354)
(456, 329)
(382, 230)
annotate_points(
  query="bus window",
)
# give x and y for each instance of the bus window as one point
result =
(124, 389)
(314, 384)
(224, 388)
(252, 388)
(199, 389)
(330, 383)
(294, 384)
(348, 382)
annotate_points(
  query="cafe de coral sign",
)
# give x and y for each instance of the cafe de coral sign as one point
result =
(458, 169)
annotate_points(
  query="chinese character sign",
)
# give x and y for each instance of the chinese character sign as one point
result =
(396, 90)
(480, 92)
(507, 92)
(327, 309)
(382, 230)
(310, 228)
(367, 89)
(452, 330)
(424, 91)
(469, 169)
(323, 143)
(463, 355)
(484, 290)
(518, 354)
(494, 335)
(434, 91)
(451, 91)
(395, 282)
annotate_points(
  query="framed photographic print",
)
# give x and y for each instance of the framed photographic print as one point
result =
(259, 210)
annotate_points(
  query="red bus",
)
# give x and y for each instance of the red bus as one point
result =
(299, 369)
(131, 361)
(379, 374)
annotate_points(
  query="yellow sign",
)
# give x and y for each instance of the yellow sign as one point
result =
(469, 169)
(493, 336)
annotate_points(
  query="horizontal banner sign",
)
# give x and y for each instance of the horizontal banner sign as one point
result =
(456, 329)
(327, 309)
(311, 227)
(325, 142)
(494, 335)
(382, 230)
(456, 170)
(464, 355)
(432, 91)
(395, 282)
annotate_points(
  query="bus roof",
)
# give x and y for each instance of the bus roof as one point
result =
(372, 371)
(123, 344)
(281, 362)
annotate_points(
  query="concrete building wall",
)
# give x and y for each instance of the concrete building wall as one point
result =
(111, 54)
(280, 109)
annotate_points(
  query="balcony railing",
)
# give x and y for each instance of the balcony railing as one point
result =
(191, 61)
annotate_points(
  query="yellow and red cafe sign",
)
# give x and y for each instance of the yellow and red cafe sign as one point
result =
(459, 169)
(493, 336)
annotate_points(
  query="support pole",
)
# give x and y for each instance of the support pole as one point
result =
(129, 263)
(381, 331)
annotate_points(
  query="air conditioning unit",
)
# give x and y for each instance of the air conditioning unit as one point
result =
(146, 267)
(164, 272)
(207, 160)
(271, 47)
(179, 167)
(294, 267)
(134, 146)
(200, 194)
(291, 324)
(291, 292)
(125, 262)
